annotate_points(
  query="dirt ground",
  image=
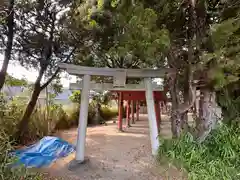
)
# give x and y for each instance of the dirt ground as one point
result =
(116, 155)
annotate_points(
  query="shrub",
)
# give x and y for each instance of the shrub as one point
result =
(42, 120)
(8, 173)
(217, 158)
(108, 113)
(73, 115)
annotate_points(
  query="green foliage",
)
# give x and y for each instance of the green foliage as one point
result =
(108, 113)
(72, 118)
(67, 117)
(7, 173)
(225, 59)
(44, 120)
(76, 97)
(217, 158)
(141, 37)
(102, 98)
(229, 100)
(122, 35)
(40, 125)
(11, 81)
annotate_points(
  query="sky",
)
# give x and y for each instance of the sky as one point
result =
(18, 71)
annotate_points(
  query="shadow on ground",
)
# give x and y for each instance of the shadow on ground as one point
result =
(114, 155)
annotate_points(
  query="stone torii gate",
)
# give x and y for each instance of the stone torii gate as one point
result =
(119, 77)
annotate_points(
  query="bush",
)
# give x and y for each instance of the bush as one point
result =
(217, 158)
(42, 120)
(73, 115)
(8, 173)
(108, 113)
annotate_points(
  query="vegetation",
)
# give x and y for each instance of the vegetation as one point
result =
(99, 111)
(217, 158)
(199, 40)
(15, 173)
(44, 122)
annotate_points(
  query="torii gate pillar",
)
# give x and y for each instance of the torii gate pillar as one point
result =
(132, 112)
(158, 115)
(151, 116)
(82, 125)
(128, 124)
(137, 110)
(120, 111)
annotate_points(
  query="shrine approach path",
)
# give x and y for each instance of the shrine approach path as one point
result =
(116, 155)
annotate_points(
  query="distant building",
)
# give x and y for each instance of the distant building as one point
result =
(23, 92)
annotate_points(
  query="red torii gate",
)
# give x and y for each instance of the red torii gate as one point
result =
(136, 96)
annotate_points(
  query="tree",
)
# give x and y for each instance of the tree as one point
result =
(196, 55)
(12, 81)
(76, 97)
(41, 44)
(6, 35)
(116, 42)
(224, 60)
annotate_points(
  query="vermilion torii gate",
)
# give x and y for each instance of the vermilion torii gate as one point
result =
(119, 76)
(132, 93)
(135, 96)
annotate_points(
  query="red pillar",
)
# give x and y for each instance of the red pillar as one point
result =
(160, 113)
(132, 111)
(120, 110)
(157, 110)
(128, 114)
(137, 110)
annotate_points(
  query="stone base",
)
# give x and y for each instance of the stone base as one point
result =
(75, 164)
(120, 130)
(128, 126)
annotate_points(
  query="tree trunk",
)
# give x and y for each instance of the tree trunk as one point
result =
(8, 50)
(186, 92)
(23, 125)
(98, 118)
(208, 118)
(176, 124)
(175, 115)
(184, 121)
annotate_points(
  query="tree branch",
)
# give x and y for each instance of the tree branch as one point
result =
(57, 71)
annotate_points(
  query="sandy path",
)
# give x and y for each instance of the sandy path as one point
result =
(115, 155)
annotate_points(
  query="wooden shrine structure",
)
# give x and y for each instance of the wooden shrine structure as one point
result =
(144, 91)
(133, 94)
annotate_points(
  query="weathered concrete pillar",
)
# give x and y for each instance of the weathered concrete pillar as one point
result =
(83, 117)
(151, 116)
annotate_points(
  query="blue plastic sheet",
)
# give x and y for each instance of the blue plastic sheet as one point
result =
(43, 153)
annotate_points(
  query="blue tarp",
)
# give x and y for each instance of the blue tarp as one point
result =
(44, 152)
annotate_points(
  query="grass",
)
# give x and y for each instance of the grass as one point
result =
(45, 121)
(217, 158)
(7, 173)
